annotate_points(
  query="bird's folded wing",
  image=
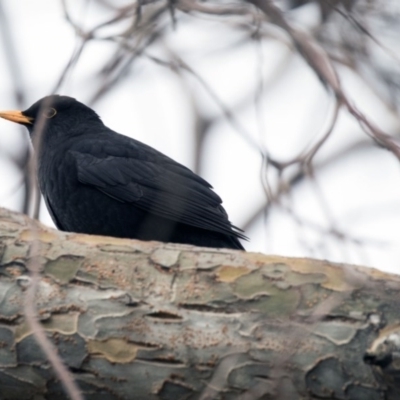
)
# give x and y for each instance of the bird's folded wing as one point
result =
(166, 189)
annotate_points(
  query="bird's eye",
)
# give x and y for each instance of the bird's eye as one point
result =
(49, 113)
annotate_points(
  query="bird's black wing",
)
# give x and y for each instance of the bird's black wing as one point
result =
(161, 187)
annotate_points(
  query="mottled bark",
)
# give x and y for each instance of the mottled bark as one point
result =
(144, 320)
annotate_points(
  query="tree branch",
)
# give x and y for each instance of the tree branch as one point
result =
(146, 320)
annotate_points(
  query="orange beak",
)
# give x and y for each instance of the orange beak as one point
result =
(15, 116)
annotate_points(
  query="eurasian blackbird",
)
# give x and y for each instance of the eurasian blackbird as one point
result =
(97, 181)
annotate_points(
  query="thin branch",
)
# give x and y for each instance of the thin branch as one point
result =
(31, 315)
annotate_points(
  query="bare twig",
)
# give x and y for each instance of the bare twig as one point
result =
(31, 315)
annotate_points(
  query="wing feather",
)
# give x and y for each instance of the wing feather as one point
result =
(163, 187)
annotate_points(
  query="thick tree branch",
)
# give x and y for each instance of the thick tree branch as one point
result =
(144, 320)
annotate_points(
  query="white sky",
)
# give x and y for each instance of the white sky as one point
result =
(361, 193)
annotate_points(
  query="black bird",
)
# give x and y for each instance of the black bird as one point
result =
(97, 181)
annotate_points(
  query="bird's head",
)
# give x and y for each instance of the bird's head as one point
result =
(53, 115)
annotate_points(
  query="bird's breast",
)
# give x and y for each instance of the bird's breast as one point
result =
(77, 207)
